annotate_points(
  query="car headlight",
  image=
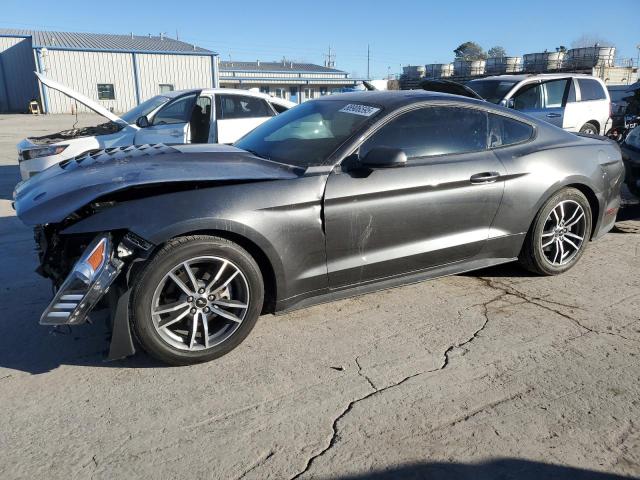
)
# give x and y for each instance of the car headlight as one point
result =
(43, 151)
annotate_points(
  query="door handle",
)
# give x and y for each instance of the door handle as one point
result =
(484, 177)
(554, 115)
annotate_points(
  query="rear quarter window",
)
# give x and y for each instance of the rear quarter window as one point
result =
(505, 131)
(591, 90)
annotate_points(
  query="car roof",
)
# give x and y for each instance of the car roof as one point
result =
(392, 99)
(532, 76)
(231, 91)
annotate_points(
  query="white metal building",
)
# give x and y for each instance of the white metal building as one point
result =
(120, 71)
(297, 82)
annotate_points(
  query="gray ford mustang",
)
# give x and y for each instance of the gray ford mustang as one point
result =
(336, 197)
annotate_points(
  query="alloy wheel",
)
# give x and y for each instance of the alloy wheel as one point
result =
(200, 303)
(564, 232)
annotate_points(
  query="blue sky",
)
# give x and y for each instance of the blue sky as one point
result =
(400, 33)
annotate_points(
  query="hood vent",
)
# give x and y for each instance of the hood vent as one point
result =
(117, 154)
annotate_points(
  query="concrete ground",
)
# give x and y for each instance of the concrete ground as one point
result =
(495, 374)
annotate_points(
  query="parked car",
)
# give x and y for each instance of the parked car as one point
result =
(576, 103)
(339, 196)
(631, 156)
(184, 116)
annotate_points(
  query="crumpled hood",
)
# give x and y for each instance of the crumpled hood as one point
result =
(54, 194)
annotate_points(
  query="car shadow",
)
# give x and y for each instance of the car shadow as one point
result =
(503, 469)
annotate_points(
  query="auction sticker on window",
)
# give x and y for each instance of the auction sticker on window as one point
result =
(364, 110)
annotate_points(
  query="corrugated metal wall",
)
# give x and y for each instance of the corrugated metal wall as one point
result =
(181, 71)
(17, 82)
(83, 71)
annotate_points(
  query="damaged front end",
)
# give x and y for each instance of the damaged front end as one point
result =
(83, 269)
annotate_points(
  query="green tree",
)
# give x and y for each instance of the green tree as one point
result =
(470, 51)
(497, 52)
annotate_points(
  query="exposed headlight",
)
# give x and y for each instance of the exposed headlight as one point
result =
(87, 282)
(43, 151)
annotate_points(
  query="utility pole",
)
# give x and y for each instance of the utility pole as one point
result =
(330, 59)
(368, 62)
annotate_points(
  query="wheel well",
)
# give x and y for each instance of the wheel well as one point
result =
(593, 203)
(266, 269)
(595, 123)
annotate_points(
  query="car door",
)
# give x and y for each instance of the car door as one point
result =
(237, 115)
(435, 210)
(170, 124)
(543, 100)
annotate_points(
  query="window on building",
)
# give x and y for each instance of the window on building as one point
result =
(308, 93)
(106, 91)
(590, 90)
(166, 87)
(239, 106)
(507, 131)
(264, 90)
(433, 131)
(281, 92)
(323, 91)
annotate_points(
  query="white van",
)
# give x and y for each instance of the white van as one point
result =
(577, 103)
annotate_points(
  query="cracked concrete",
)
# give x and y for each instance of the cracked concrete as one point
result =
(494, 373)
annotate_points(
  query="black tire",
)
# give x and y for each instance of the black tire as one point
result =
(532, 256)
(590, 129)
(164, 261)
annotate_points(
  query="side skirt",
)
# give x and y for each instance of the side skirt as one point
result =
(288, 305)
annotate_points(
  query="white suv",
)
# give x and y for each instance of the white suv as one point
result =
(577, 103)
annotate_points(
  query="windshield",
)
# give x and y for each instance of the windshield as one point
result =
(309, 133)
(491, 90)
(145, 108)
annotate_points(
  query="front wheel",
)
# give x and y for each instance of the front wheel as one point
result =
(196, 300)
(559, 234)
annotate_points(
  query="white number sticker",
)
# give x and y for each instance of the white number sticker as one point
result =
(364, 110)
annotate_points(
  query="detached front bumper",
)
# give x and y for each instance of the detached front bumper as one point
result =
(86, 284)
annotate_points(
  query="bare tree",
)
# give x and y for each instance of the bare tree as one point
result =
(590, 40)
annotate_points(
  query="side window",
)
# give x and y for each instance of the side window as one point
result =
(279, 108)
(529, 97)
(433, 131)
(240, 106)
(166, 87)
(590, 90)
(571, 98)
(507, 131)
(554, 92)
(178, 111)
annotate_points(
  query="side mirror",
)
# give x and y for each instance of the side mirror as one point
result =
(384, 157)
(511, 103)
(142, 122)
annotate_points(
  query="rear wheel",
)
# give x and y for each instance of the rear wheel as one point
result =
(559, 234)
(590, 129)
(196, 300)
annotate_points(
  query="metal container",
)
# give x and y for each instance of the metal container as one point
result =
(501, 65)
(469, 68)
(543, 62)
(413, 71)
(439, 70)
(590, 57)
